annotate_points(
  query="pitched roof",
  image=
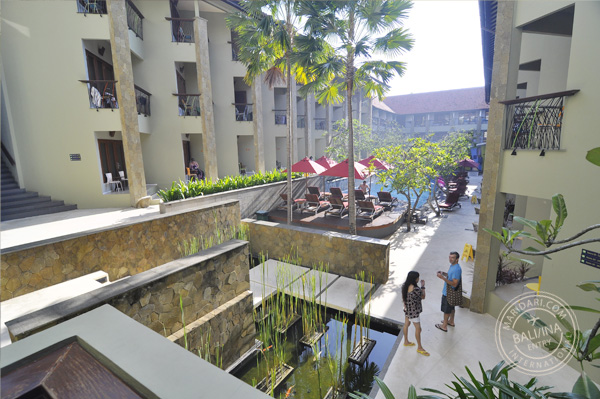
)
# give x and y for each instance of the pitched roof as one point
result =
(438, 101)
(381, 105)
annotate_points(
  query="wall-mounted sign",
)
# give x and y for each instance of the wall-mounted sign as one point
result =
(75, 157)
(590, 258)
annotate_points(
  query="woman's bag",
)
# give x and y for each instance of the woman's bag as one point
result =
(454, 295)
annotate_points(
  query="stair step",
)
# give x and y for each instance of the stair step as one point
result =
(32, 207)
(39, 212)
(12, 191)
(8, 185)
(17, 196)
(39, 201)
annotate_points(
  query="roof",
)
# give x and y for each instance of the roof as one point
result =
(438, 101)
(381, 105)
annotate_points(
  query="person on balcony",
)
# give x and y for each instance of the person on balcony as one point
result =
(195, 169)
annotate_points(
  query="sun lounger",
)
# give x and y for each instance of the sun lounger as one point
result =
(368, 210)
(337, 192)
(386, 199)
(313, 204)
(338, 207)
(298, 203)
(451, 202)
(360, 196)
(318, 193)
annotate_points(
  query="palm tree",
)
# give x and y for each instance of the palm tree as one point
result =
(267, 36)
(359, 28)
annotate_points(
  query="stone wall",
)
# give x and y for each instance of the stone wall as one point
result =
(252, 199)
(344, 254)
(228, 330)
(122, 251)
(205, 281)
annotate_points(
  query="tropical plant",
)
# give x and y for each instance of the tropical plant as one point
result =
(337, 144)
(267, 37)
(411, 172)
(359, 29)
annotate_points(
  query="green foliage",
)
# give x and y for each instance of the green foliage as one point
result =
(337, 148)
(197, 188)
(593, 156)
(197, 244)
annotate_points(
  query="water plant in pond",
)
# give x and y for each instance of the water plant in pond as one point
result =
(219, 236)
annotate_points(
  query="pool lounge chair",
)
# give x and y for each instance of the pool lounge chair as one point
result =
(360, 196)
(314, 204)
(337, 192)
(368, 210)
(338, 207)
(451, 202)
(386, 199)
(298, 203)
(318, 193)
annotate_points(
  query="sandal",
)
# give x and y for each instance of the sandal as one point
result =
(451, 325)
(409, 344)
(423, 352)
(439, 327)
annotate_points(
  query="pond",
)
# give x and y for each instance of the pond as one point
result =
(313, 375)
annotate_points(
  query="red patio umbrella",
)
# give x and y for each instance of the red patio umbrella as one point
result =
(341, 170)
(377, 163)
(468, 163)
(326, 162)
(307, 166)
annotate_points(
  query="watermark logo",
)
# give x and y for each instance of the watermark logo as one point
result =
(531, 330)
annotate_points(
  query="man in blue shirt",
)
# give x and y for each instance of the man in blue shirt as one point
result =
(451, 278)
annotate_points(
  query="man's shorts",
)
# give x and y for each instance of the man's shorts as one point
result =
(446, 308)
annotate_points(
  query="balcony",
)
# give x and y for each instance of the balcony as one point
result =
(301, 122)
(91, 7)
(243, 112)
(189, 104)
(102, 93)
(280, 116)
(134, 19)
(182, 30)
(535, 122)
(142, 101)
(320, 124)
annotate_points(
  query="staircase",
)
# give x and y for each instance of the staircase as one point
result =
(17, 203)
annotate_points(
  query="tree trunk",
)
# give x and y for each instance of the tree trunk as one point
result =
(290, 136)
(349, 90)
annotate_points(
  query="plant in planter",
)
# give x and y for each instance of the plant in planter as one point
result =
(362, 322)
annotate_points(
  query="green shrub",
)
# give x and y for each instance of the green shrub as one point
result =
(196, 188)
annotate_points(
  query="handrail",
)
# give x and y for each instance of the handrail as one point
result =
(134, 19)
(242, 104)
(10, 158)
(98, 81)
(142, 90)
(142, 101)
(102, 93)
(186, 94)
(180, 19)
(566, 93)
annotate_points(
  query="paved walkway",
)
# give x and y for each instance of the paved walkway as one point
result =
(424, 250)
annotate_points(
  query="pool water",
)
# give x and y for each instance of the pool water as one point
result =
(308, 371)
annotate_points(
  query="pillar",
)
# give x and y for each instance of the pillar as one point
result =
(257, 124)
(123, 71)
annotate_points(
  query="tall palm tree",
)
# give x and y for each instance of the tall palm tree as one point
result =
(359, 29)
(267, 35)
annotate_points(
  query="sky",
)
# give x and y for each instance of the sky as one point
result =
(447, 50)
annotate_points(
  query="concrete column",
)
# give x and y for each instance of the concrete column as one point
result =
(257, 122)
(293, 119)
(123, 71)
(504, 86)
(309, 128)
(209, 143)
(359, 102)
(328, 121)
(369, 121)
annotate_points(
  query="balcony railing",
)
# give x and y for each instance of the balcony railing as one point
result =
(91, 6)
(142, 101)
(320, 124)
(301, 123)
(182, 29)
(189, 104)
(134, 19)
(102, 93)
(243, 112)
(280, 116)
(535, 122)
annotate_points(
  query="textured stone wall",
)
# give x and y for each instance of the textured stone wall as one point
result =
(122, 251)
(229, 329)
(344, 254)
(205, 281)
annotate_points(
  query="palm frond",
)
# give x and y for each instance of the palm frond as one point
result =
(274, 76)
(394, 43)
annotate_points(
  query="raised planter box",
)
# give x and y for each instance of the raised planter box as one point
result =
(251, 199)
(283, 371)
(293, 320)
(338, 394)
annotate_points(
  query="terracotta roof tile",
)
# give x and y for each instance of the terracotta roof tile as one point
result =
(381, 105)
(438, 101)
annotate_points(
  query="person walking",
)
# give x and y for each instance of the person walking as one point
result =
(452, 278)
(412, 295)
